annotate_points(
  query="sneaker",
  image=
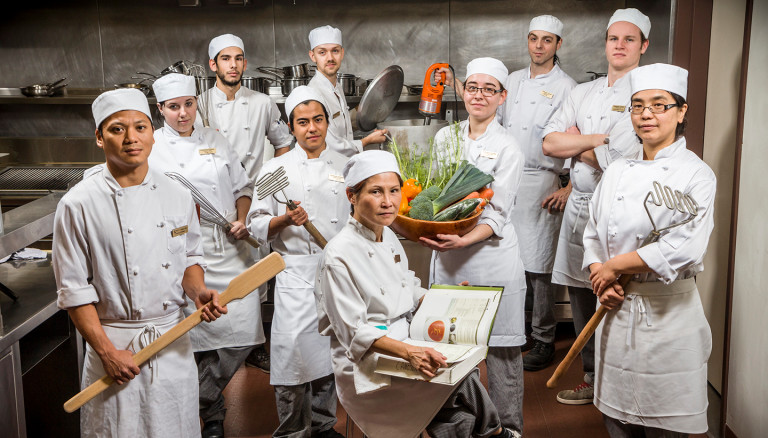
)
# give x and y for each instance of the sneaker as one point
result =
(330, 433)
(213, 429)
(539, 357)
(509, 433)
(581, 395)
(259, 358)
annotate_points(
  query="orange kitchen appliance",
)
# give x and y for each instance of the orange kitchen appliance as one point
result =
(432, 95)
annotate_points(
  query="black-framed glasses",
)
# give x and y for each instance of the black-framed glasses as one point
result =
(656, 108)
(487, 92)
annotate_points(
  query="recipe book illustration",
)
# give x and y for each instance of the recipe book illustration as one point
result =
(454, 320)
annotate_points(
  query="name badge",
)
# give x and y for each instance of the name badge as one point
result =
(207, 151)
(547, 94)
(489, 154)
(179, 231)
(619, 108)
(336, 177)
(336, 115)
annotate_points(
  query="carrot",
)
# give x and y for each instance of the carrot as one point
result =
(486, 193)
(472, 195)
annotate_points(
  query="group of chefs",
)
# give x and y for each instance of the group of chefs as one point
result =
(133, 256)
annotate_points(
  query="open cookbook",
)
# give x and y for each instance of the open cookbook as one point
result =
(454, 320)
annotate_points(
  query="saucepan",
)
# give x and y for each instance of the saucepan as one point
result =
(289, 84)
(177, 67)
(257, 83)
(41, 90)
(348, 83)
(138, 86)
(292, 71)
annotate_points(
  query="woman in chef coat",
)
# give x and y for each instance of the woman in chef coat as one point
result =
(652, 348)
(364, 293)
(205, 158)
(489, 254)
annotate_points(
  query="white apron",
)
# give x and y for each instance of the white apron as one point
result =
(479, 265)
(570, 247)
(536, 228)
(226, 259)
(299, 354)
(651, 358)
(162, 397)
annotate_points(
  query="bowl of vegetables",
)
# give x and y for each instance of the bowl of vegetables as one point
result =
(413, 229)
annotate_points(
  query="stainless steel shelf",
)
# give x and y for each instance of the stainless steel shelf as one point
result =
(27, 224)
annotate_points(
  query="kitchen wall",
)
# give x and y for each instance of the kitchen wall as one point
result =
(98, 43)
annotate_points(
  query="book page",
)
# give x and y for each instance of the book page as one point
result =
(453, 353)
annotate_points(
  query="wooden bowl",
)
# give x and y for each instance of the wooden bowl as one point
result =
(412, 229)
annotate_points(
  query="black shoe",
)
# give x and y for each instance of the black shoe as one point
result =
(539, 357)
(259, 358)
(529, 341)
(213, 429)
(330, 433)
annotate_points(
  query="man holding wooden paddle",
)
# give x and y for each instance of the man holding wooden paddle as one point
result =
(126, 248)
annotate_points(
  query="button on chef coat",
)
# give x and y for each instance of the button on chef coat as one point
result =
(96, 260)
(218, 176)
(590, 107)
(340, 125)
(613, 227)
(245, 121)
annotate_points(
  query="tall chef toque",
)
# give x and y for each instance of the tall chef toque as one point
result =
(324, 35)
(301, 94)
(174, 85)
(122, 99)
(367, 164)
(660, 77)
(488, 66)
(221, 42)
(632, 15)
(547, 23)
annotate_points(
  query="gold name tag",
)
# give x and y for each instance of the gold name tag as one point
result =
(208, 151)
(489, 154)
(179, 231)
(336, 177)
(337, 114)
(619, 108)
(547, 94)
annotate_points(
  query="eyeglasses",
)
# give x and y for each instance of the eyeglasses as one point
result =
(656, 108)
(487, 92)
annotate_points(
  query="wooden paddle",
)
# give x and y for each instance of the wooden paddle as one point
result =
(239, 287)
(584, 336)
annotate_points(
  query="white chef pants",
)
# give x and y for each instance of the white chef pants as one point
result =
(215, 369)
(505, 384)
(306, 409)
(583, 306)
(617, 429)
(468, 411)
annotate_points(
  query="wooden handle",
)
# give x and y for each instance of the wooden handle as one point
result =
(250, 239)
(316, 234)
(584, 336)
(239, 287)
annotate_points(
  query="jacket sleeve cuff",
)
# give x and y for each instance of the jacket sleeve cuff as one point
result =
(246, 191)
(79, 296)
(493, 220)
(652, 256)
(603, 156)
(258, 225)
(365, 336)
(591, 255)
(196, 260)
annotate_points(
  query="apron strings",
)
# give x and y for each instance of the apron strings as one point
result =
(218, 239)
(582, 200)
(143, 338)
(639, 306)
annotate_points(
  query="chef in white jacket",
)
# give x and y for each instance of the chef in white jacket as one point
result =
(593, 129)
(653, 346)
(126, 249)
(490, 254)
(206, 159)
(301, 373)
(364, 293)
(326, 51)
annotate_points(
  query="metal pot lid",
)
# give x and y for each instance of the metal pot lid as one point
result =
(380, 97)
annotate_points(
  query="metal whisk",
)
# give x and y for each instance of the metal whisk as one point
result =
(276, 181)
(208, 212)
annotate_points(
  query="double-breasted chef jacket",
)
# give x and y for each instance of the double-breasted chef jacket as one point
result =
(299, 354)
(244, 121)
(651, 353)
(595, 108)
(496, 260)
(206, 160)
(530, 104)
(339, 120)
(125, 250)
(364, 292)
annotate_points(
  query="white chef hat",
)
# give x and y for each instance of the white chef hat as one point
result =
(324, 35)
(547, 23)
(301, 94)
(489, 66)
(221, 42)
(367, 164)
(660, 77)
(632, 15)
(174, 85)
(122, 99)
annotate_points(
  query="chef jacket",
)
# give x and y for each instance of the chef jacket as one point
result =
(207, 160)
(530, 104)
(340, 122)
(125, 249)
(244, 121)
(618, 221)
(596, 108)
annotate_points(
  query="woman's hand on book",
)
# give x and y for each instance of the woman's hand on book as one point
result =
(426, 360)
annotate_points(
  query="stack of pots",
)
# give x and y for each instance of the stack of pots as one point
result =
(290, 77)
